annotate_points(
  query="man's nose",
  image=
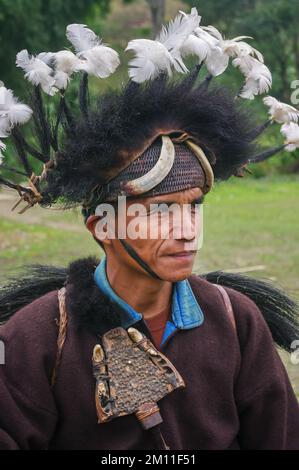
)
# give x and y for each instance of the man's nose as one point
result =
(186, 226)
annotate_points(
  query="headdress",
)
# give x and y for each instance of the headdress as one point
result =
(157, 129)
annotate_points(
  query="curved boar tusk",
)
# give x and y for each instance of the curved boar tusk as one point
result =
(205, 164)
(156, 174)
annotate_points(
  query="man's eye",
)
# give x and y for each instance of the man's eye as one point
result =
(196, 205)
(159, 210)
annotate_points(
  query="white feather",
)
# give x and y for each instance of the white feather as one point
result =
(291, 132)
(281, 112)
(234, 47)
(82, 37)
(62, 80)
(46, 57)
(213, 32)
(100, 61)
(216, 61)
(66, 61)
(37, 71)
(192, 13)
(11, 112)
(175, 33)
(163, 53)
(220, 50)
(258, 78)
(96, 58)
(194, 45)
(65, 64)
(152, 57)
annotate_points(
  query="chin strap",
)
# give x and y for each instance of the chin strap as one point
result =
(138, 260)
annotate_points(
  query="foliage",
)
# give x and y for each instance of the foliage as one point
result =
(37, 25)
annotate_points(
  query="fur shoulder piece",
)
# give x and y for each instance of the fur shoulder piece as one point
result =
(87, 304)
(93, 310)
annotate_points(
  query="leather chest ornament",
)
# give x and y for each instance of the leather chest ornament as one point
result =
(131, 377)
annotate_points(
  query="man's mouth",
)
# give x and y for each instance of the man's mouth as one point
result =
(183, 254)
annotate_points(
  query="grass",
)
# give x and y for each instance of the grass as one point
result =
(23, 243)
(247, 223)
(250, 222)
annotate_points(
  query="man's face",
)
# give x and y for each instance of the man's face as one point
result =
(166, 235)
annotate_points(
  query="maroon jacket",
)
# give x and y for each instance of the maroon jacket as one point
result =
(237, 394)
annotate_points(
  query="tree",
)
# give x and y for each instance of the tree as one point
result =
(273, 25)
(157, 8)
(36, 25)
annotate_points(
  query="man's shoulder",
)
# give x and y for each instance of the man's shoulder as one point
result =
(244, 308)
(37, 317)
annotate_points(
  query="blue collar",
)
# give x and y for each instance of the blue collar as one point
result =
(186, 313)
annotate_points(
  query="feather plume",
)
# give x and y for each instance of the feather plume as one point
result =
(194, 45)
(216, 61)
(100, 61)
(237, 48)
(151, 59)
(234, 47)
(281, 112)
(96, 58)
(210, 46)
(193, 13)
(62, 65)
(210, 52)
(12, 112)
(162, 54)
(258, 76)
(291, 132)
(65, 63)
(175, 33)
(47, 58)
(37, 71)
(81, 37)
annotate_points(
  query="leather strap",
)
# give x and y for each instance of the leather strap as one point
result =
(137, 258)
(228, 305)
(62, 332)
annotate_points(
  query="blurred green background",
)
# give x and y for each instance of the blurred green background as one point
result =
(251, 223)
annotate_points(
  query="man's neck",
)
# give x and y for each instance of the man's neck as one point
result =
(146, 295)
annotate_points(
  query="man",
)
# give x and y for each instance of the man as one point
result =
(135, 351)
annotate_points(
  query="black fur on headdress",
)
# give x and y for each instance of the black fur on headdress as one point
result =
(123, 121)
(86, 150)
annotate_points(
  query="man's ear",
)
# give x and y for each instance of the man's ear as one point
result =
(91, 224)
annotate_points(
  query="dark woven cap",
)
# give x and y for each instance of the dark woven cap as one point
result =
(185, 173)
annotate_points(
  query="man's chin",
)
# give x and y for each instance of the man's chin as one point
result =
(175, 269)
(175, 276)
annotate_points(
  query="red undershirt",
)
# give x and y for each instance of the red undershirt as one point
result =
(157, 324)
